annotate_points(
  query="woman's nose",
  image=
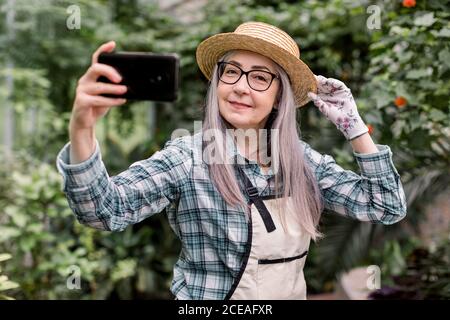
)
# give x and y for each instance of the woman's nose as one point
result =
(242, 85)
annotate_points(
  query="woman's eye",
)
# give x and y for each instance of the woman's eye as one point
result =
(261, 78)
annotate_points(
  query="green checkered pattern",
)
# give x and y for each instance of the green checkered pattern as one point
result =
(214, 234)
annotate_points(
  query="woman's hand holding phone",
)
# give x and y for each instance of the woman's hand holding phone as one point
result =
(90, 105)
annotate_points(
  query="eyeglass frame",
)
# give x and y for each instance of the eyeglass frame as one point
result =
(274, 76)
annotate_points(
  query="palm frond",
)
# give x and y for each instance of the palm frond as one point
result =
(426, 183)
(345, 245)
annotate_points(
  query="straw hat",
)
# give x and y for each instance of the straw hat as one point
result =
(268, 41)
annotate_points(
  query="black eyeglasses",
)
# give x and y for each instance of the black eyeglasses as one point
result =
(258, 80)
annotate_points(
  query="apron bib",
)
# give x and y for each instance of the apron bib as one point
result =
(274, 268)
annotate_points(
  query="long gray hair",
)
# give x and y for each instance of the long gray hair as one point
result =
(297, 179)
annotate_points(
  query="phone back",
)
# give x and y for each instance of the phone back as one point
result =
(148, 76)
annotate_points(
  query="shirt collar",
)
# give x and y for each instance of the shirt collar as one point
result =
(232, 151)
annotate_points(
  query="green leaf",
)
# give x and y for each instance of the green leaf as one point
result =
(397, 262)
(26, 244)
(402, 90)
(124, 269)
(444, 32)
(414, 122)
(444, 56)
(7, 285)
(419, 73)
(382, 99)
(397, 30)
(398, 127)
(405, 56)
(8, 232)
(5, 256)
(20, 219)
(425, 20)
(437, 115)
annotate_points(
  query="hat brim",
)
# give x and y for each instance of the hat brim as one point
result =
(301, 77)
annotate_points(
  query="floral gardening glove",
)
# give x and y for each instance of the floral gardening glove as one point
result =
(336, 102)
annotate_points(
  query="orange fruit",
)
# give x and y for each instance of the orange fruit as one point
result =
(400, 102)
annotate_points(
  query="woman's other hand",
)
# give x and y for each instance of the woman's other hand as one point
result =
(335, 100)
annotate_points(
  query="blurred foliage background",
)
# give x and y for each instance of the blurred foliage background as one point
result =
(398, 71)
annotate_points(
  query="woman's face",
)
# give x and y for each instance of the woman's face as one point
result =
(258, 103)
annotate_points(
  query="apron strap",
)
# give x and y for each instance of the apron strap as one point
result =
(253, 194)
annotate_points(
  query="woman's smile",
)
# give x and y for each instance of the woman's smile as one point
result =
(238, 105)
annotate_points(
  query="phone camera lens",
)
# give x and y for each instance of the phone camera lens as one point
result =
(156, 80)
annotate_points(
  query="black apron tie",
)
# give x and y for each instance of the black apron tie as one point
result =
(253, 194)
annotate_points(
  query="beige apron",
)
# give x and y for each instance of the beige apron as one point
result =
(274, 269)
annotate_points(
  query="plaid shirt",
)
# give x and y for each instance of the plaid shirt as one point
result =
(214, 234)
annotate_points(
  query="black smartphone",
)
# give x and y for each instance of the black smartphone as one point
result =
(148, 76)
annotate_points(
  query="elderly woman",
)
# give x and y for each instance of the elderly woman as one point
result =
(244, 212)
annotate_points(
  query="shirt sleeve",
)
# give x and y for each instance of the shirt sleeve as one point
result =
(113, 203)
(375, 195)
